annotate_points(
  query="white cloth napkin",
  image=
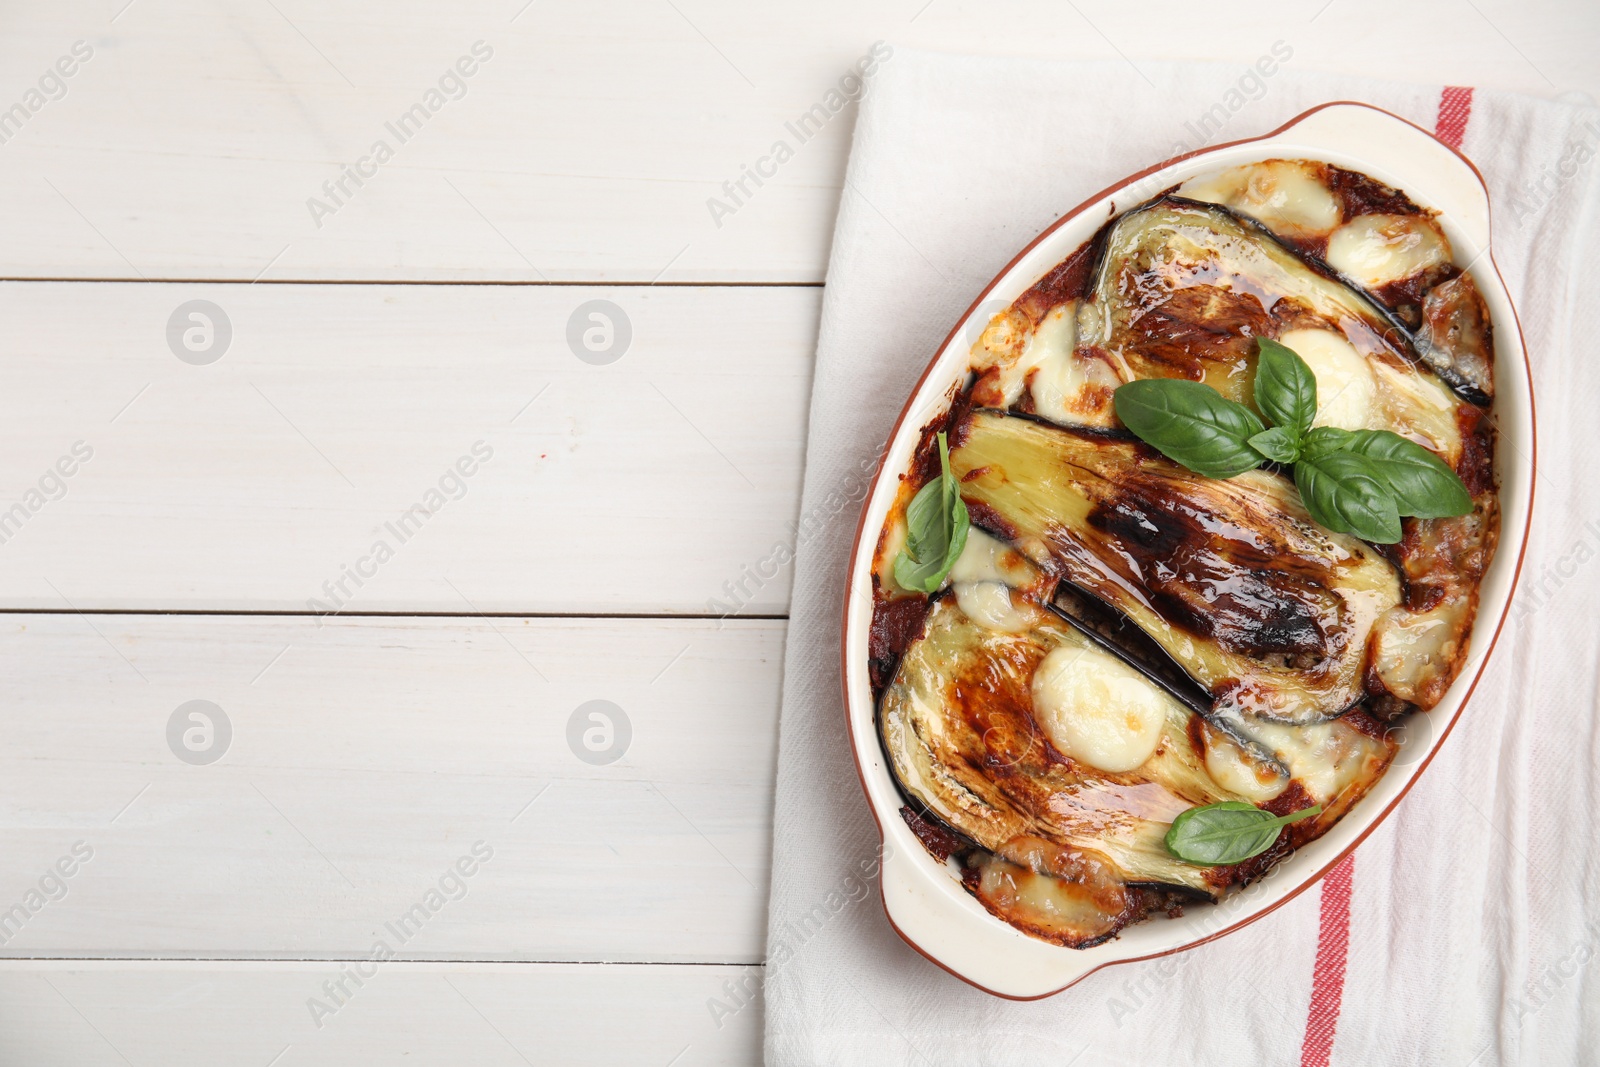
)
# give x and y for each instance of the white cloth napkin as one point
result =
(1468, 940)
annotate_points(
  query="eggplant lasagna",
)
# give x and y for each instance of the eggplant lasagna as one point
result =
(1120, 639)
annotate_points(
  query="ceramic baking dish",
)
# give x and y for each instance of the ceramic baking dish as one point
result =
(923, 899)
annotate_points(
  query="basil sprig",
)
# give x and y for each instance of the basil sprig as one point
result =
(1358, 482)
(936, 530)
(1228, 832)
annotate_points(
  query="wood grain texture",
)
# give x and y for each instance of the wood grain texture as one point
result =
(588, 145)
(369, 755)
(367, 758)
(425, 1015)
(644, 485)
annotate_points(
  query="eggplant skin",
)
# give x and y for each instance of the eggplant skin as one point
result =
(1259, 605)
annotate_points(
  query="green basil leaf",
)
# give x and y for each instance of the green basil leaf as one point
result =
(919, 577)
(1277, 444)
(1422, 484)
(927, 531)
(937, 524)
(1191, 423)
(1347, 493)
(1325, 439)
(1285, 388)
(1228, 832)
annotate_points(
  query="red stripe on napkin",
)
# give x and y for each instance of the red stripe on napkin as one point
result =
(1327, 979)
(1455, 107)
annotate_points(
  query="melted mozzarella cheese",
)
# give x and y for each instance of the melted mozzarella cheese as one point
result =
(1232, 768)
(1066, 387)
(1069, 387)
(1346, 389)
(1324, 758)
(1013, 349)
(997, 357)
(1286, 196)
(1054, 387)
(1054, 337)
(1375, 250)
(1411, 648)
(1097, 710)
(983, 577)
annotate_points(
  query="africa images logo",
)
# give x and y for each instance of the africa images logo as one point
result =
(452, 885)
(736, 192)
(452, 85)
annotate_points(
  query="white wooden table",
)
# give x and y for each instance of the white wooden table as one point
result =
(238, 881)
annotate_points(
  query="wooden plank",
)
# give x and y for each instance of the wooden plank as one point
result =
(588, 145)
(106, 1014)
(373, 766)
(645, 485)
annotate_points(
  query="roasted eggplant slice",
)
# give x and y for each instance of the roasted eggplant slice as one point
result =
(1378, 240)
(997, 735)
(1185, 288)
(959, 728)
(1269, 612)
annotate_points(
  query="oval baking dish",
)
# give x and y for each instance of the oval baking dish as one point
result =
(924, 898)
